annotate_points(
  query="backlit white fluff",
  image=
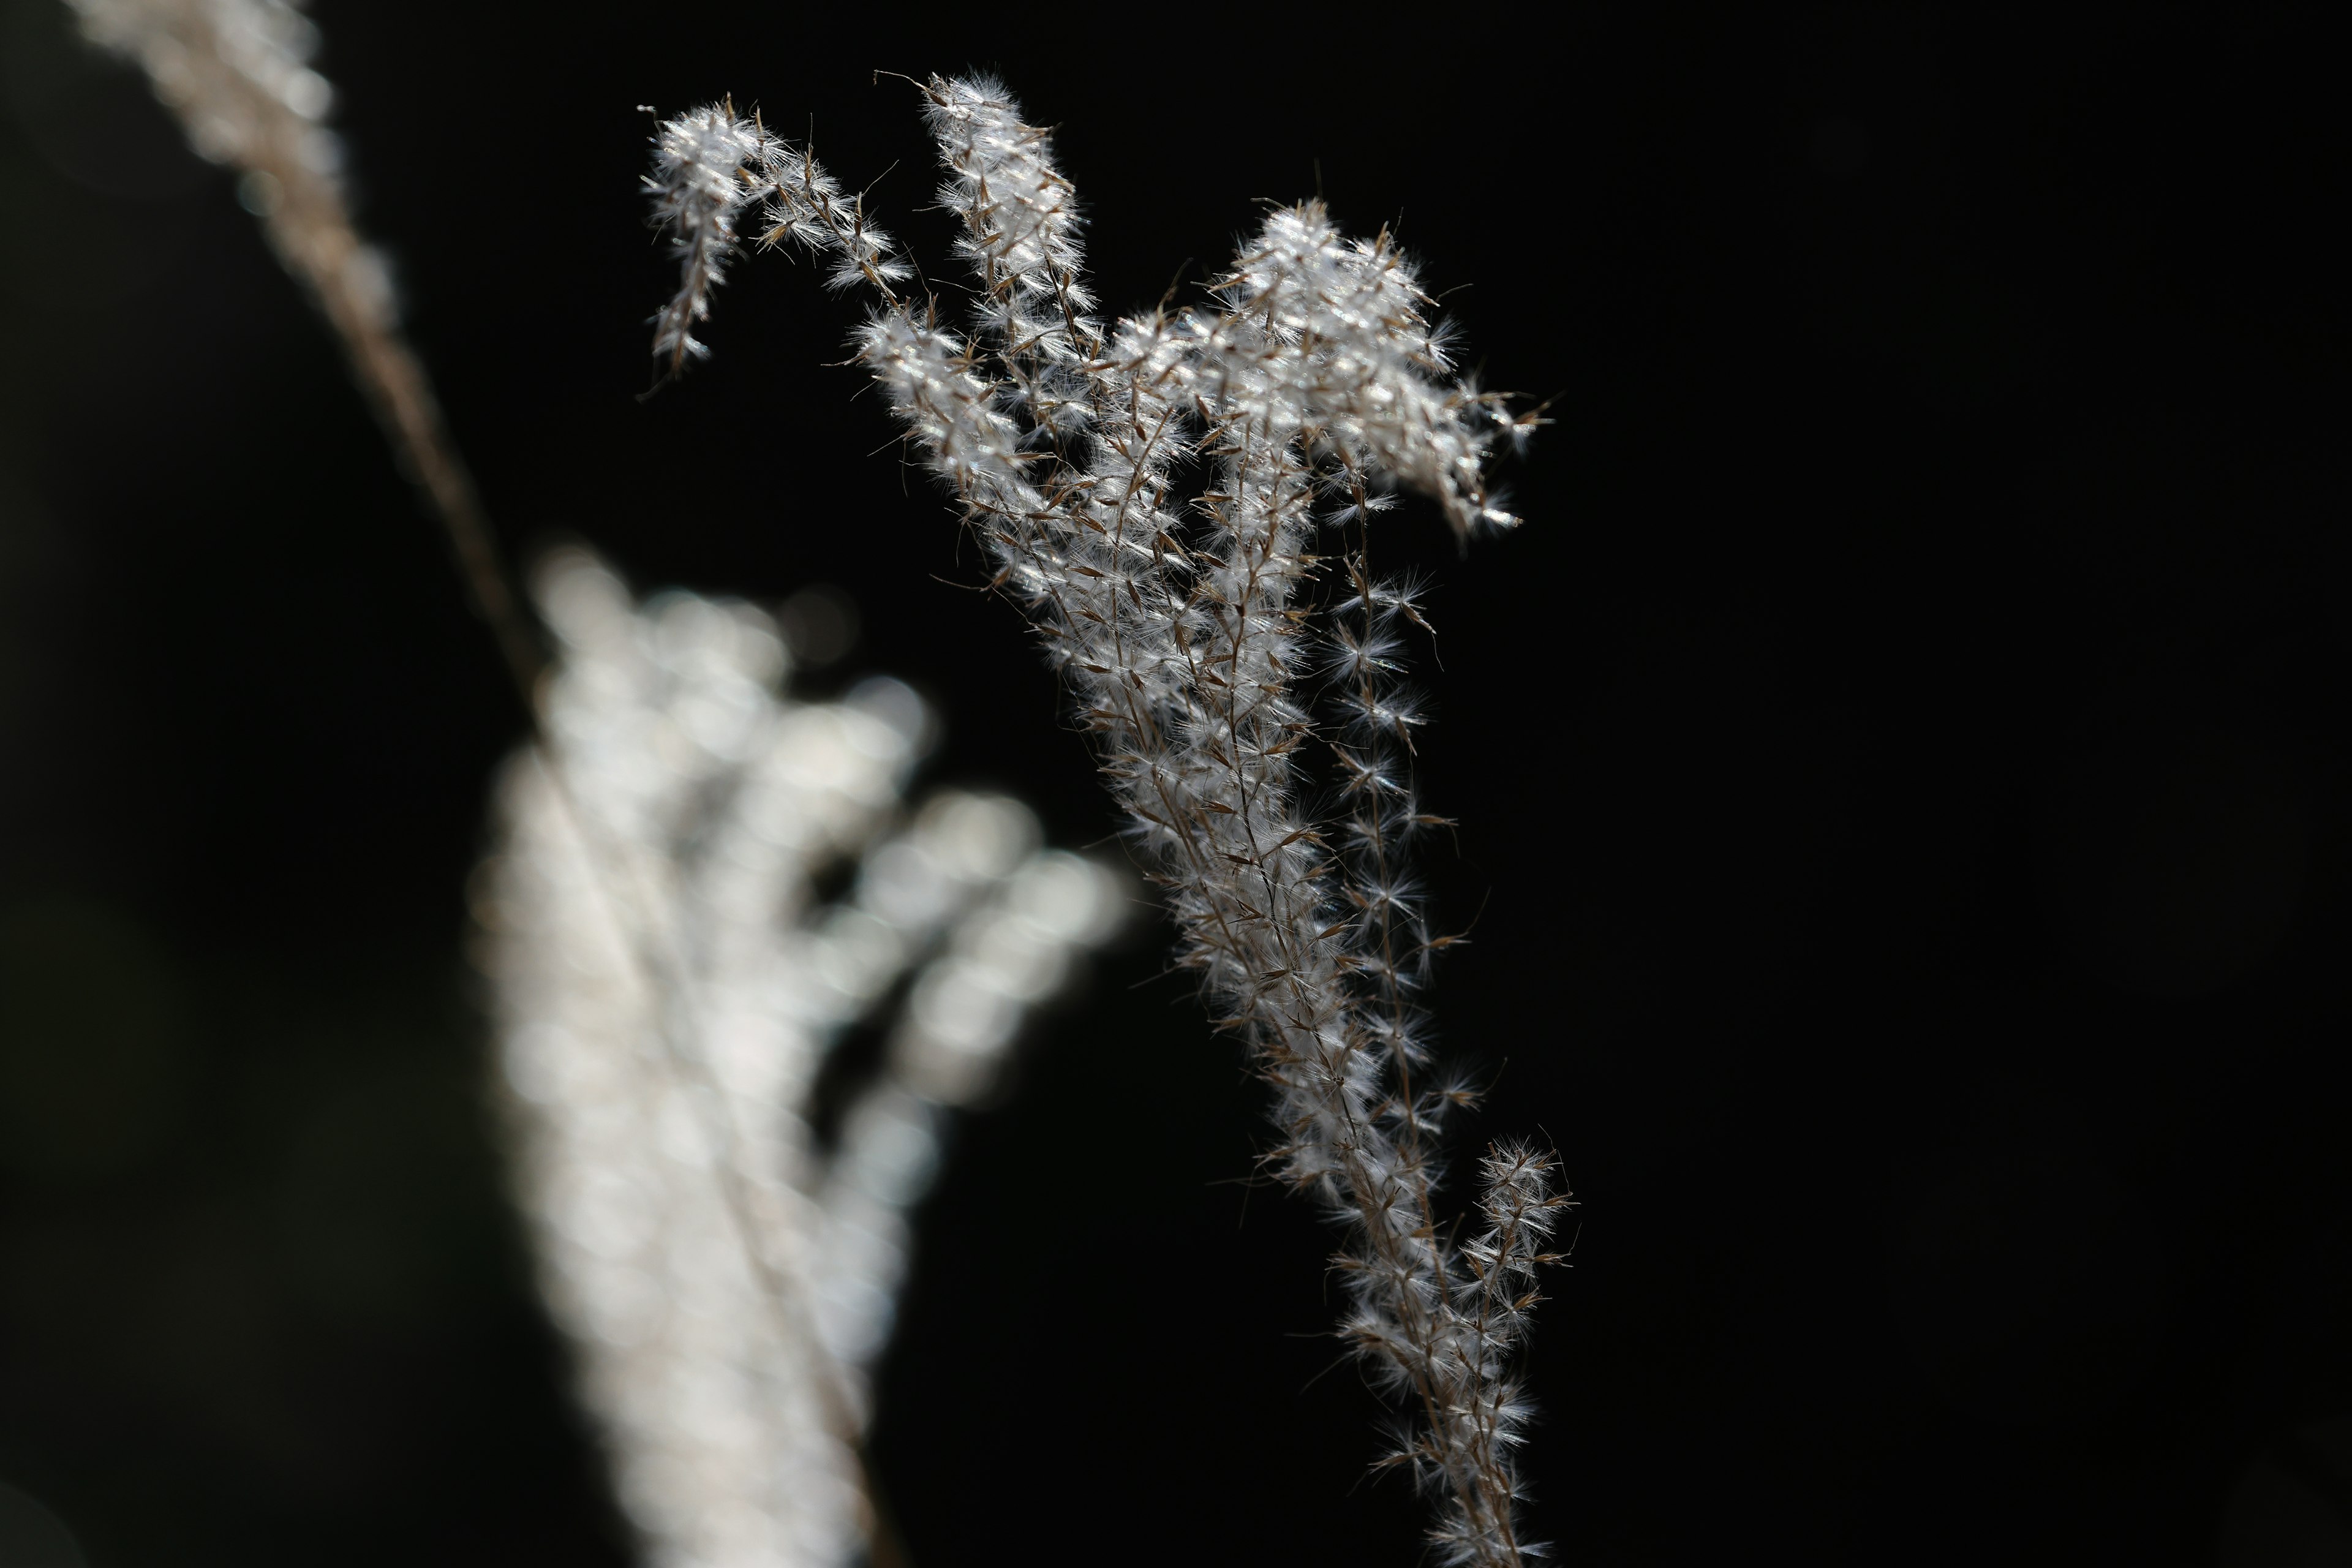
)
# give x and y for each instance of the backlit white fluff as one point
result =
(1188, 636)
(709, 165)
(666, 990)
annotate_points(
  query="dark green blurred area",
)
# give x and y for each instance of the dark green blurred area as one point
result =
(1903, 771)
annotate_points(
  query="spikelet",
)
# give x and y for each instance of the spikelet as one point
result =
(708, 166)
(702, 179)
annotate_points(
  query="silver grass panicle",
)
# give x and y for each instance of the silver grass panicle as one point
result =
(236, 74)
(728, 798)
(701, 182)
(1188, 646)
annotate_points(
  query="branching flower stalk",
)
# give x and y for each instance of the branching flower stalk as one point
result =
(707, 166)
(1187, 644)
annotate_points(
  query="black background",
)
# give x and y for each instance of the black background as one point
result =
(1901, 764)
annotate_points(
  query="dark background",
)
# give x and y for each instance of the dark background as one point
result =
(1901, 767)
